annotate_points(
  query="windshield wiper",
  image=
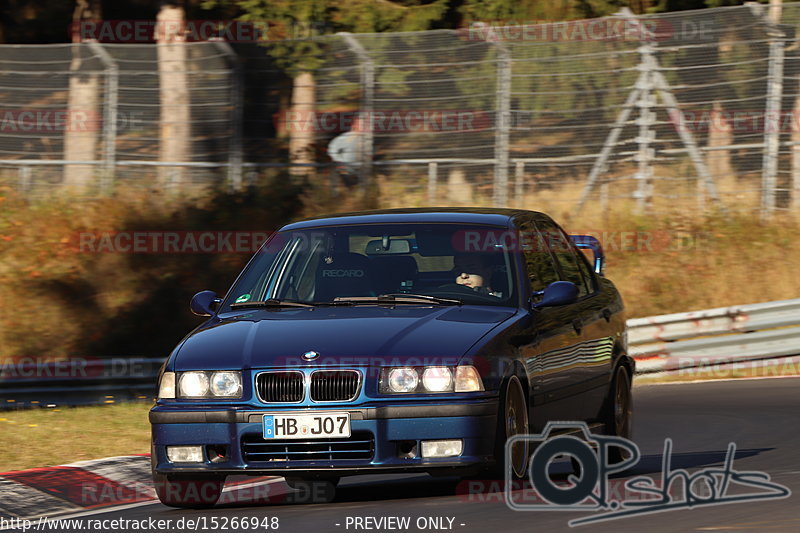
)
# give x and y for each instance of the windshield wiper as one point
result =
(272, 302)
(398, 298)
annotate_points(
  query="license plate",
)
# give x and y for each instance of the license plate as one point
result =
(307, 426)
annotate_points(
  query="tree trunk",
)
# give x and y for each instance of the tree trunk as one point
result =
(81, 132)
(720, 133)
(301, 134)
(175, 131)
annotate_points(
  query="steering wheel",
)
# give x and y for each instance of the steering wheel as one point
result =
(455, 290)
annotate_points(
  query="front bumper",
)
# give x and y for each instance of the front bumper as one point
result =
(391, 429)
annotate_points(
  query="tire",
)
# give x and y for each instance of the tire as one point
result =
(618, 416)
(188, 492)
(512, 419)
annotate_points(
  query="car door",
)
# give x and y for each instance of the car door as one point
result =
(577, 379)
(547, 337)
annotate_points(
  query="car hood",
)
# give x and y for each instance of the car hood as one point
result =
(351, 336)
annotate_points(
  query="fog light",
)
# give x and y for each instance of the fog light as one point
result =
(185, 454)
(442, 448)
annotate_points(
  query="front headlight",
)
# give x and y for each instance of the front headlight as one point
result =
(226, 384)
(221, 384)
(403, 380)
(193, 385)
(428, 379)
(437, 379)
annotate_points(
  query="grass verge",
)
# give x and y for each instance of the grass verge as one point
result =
(47, 437)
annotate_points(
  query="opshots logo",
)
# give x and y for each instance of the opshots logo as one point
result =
(592, 489)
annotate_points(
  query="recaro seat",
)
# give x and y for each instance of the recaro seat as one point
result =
(343, 274)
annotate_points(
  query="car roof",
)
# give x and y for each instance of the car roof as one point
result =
(456, 215)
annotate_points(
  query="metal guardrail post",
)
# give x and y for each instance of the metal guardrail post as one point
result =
(366, 111)
(110, 116)
(235, 142)
(502, 125)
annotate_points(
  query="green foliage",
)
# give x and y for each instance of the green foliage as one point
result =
(536, 10)
(291, 21)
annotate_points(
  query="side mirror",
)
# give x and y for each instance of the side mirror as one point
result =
(204, 302)
(558, 293)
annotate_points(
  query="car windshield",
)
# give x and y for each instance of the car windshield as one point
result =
(357, 264)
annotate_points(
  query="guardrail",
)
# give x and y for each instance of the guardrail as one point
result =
(77, 381)
(658, 343)
(714, 336)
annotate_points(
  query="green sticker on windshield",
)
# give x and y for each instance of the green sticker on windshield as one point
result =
(243, 298)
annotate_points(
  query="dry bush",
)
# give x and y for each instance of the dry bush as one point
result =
(59, 302)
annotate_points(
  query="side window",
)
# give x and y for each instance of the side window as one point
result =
(564, 254)
(586, 271)
(538, 261)
(297, 281)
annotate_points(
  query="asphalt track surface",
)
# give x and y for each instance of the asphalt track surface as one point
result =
(761, 416)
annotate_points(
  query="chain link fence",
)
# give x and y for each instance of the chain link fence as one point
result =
(682, 111)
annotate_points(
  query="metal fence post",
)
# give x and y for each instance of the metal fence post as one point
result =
(519, 185)
(502, 125)
(25, 178)
(366, 107)
(433, 171)
(772, 120)
(644, 173)
(110, 116)
(235, 146)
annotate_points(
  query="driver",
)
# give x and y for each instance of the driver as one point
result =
(474, 272)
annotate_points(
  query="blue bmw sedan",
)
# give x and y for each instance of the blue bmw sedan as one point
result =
(392, 341)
